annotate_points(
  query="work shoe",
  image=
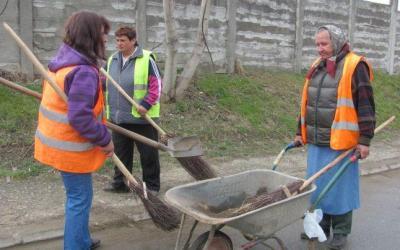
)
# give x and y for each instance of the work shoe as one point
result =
(113, 189)
(95, 244)
(338, 241)
(304, 236)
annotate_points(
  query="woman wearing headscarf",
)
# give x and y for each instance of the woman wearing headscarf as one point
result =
(337, 114)
(71, 136)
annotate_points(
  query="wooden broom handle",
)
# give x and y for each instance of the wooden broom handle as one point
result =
(340, 157)
(20, 88)
(130, 99)
(110, 125)
(35, 61)
(124, 170)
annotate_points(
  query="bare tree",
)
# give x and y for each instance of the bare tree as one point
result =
(172, 90)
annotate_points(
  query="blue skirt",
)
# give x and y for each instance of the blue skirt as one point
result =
(344, 196)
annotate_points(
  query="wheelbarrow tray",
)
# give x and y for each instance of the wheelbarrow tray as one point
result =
(221, 193)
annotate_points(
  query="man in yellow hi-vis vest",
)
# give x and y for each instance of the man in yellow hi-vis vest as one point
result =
(337, 114)
(136, 72)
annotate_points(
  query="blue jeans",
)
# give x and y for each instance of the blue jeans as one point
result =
(79, 192)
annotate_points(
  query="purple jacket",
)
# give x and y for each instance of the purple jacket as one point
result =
(82, 88)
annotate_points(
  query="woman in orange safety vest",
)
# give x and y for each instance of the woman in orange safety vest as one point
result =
(71, 136)
(337, 113)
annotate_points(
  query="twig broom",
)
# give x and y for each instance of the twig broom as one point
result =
(162, 215)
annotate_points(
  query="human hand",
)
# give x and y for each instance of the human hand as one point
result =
(362, 150)
(298, 140)
(108, 149)
(141, 110)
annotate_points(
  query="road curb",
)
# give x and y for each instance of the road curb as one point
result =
(386, 165)
(100, 218)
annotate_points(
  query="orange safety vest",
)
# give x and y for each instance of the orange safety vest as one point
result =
(57, 143)
(344, 129)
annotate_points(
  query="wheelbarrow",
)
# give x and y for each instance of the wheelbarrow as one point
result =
(257, 226)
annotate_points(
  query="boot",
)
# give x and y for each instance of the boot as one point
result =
(338, 241)
(95, 244)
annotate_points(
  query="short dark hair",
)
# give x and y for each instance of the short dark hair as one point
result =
(83, 32)
(126, 31)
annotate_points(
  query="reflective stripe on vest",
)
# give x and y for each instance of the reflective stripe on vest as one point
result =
(344, 129)
(57, 143)
(140, 85)
(57, 117)
(345, 125)
(63, 145)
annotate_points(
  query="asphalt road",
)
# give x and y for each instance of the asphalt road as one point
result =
(376, 225)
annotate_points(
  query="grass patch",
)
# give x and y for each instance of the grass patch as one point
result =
(234, 116)
(18, 116)
(238, 116)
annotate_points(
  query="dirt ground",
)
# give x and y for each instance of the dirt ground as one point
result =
(37, 203)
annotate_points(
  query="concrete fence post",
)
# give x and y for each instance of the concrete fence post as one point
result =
(352, 18)
(141, 24)
(392, 37)
(231, 36)
(299, 35)
(26, 34)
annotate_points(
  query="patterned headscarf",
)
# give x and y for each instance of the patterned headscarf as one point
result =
(337, 36)
(340, 46)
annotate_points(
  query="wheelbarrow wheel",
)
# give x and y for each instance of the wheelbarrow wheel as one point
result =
(221, 241)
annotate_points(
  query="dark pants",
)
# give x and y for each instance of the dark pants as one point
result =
(341, 224)
(149, 159)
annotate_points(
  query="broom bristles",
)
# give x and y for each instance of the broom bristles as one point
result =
(198, 168)
(261, 199)
(258, 201)
(163, 216)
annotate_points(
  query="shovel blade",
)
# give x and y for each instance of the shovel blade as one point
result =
(185, 146)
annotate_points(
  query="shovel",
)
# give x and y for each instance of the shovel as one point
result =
(186, 147)
(175, 149)
(179, 143)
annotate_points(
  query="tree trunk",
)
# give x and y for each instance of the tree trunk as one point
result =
(190, 67)
(170, 67)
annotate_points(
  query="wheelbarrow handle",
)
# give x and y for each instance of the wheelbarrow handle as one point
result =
(342, 169)
(340, 158)
(289, 146)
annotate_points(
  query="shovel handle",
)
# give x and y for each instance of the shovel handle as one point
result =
(130, 99)
(340, 157)
(35, 61)
(137, 137)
